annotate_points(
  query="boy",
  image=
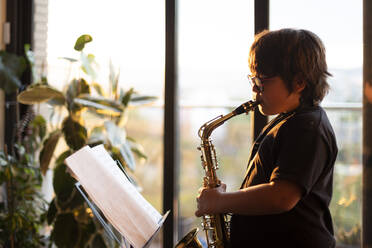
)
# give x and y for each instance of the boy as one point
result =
(285, 194)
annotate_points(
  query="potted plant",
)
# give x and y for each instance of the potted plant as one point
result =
(73, 224)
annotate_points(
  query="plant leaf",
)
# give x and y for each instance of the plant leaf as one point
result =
(88, 64)
(61, 158)
(81, 41)
(8, 82)
(98, 88)
(137, 148)
(127, 97)
(63, 184)
(76, 88)
(97, 134)
(76, 201)
(39, 124)
(65, 231)
(72, 60)
(114, 80)
(47, 152)
(102, 100)
(75, 134)
(16, 64)
(127, 154)
(116, 135)
(9, 72)
(139, 152)
(31, 60)
(56, 102)
(98, 241)
(3, 162)
(12, 67)
(102, 107)
(138, 100)
(87, 230)
(39, 93)
(118, 139)
(52, 211)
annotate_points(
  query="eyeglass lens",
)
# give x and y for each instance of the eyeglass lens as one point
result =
(255, 81)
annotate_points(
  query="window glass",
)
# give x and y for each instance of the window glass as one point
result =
(213, 43)
(339, 24)
(130, 35)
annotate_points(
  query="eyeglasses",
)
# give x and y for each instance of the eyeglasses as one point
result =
(257, 82)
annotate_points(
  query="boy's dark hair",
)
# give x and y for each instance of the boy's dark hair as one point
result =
(295, 56)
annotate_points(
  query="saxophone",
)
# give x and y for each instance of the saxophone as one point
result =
(216, 226)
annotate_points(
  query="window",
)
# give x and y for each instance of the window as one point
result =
(213, 43)
(130, 35)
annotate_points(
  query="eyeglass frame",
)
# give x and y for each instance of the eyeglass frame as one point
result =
(257, 81)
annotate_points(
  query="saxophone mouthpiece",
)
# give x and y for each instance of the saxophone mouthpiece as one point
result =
(246, 107)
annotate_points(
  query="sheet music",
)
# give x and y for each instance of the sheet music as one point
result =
(120, 202)
(105, 158)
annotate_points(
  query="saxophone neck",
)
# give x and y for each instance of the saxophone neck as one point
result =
(206, 130)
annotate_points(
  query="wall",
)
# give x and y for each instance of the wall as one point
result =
(2, 20)
(40, 34)
(2, 46)
(39, 46)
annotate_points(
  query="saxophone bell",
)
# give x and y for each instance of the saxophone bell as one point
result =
(190, 240)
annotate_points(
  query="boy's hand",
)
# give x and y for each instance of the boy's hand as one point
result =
(209, 199)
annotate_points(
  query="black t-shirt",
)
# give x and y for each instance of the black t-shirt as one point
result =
(298, 147)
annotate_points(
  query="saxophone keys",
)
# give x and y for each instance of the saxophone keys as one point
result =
(207, 226)
(205, 181)
(204, 164)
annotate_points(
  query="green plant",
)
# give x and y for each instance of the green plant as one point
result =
(73, 224)
(346, 207)
(12, 67)
(21, 214)
(351, 237)
(22, 208)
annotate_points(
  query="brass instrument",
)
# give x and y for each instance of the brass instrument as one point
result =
(216, 226)
(190, 240)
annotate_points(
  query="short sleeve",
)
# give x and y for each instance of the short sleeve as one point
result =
(301, 154)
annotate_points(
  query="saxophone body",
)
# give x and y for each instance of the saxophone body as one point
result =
(216, 226)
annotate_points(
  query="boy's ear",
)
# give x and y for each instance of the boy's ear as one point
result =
(299, 86)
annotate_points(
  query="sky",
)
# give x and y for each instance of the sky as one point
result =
(337, 22)
(213, 40)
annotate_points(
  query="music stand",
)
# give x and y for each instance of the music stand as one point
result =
(119, 240)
